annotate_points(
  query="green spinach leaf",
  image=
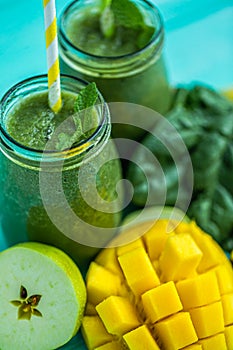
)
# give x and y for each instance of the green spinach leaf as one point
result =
(204, 120)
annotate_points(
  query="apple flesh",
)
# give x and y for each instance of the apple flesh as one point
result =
(42, 297)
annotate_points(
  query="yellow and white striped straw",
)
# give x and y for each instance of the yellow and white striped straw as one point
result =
(50, 20)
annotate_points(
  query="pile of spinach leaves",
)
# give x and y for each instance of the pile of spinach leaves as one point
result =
(204, 120)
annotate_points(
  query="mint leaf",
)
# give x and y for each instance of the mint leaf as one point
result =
(64, 142)
(85, 118)
(145, 36)
(127, 14)
(90, 122)
(86, 98)
(78, 134)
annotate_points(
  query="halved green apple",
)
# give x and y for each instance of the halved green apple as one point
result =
(42, 297)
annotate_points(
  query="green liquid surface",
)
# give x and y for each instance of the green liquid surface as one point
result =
(32, 123)
(84, 32)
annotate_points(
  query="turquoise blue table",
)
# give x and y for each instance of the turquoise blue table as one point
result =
(198, 47)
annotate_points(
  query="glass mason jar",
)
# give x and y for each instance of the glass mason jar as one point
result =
(65, 198)
(139, 77)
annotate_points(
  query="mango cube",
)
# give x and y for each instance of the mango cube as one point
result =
(195, 346)
(208, 320)
(183, 227)
(229, 336)
(108, 258)
(176, 331)
(101, 283)
(114, 345)
(140, 339)
(212, 253)
(225, 278)
(130, 234)
(217, 341)
(94, 333)
(157, 236)
(161, 302)
(118, 315)
(227, 305)
(180, 258)
(138, 270)
(199, 291)
(129, 246)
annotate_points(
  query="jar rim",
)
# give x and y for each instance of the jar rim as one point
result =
(156, 35)
(81, 146)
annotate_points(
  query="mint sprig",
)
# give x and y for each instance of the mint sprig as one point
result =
(86, 98)
(127, 14)
(124, 13)
(85, 118)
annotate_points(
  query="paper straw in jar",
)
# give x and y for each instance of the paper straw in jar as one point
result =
(54, 85)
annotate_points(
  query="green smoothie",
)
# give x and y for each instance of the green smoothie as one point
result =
(26, 129)
(122, 54)
(86, 33)
(32, 123)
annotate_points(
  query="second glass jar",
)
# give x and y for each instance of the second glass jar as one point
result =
(138, 77)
